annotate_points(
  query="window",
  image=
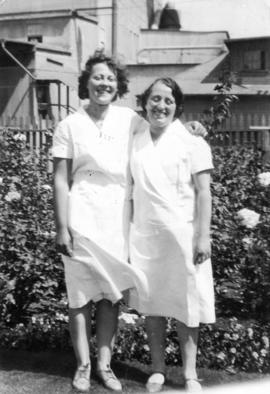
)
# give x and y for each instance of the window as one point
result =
(254, 60)
(34, 39)
(43, 98)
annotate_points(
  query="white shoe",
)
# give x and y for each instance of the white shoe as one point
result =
(81, 381)
(155, 382)
(109, 380)
(193, 386)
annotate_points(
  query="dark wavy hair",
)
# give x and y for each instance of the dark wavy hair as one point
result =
(118, 69)
(176, 92)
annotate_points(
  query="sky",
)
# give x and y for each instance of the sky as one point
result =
(241, 18)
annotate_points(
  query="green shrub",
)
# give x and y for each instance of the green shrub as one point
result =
(30, 268)
(229, 344)
(33, 303)
(241, 255)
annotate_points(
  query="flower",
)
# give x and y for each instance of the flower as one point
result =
(263, 352)
(247, 241)
(265, 340)
(19, 137)
(46, 187)
(221, 355)
(61, 317)
(129, 318)
(12, 196)
(264, 178)
(48, 234)
(248, 217)
(255, 355)
(250, 332)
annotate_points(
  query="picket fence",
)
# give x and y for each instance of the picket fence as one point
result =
(239, 129)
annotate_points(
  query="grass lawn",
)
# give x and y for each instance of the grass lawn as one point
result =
(51, 372)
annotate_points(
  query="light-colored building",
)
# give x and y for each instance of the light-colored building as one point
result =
(44, 45)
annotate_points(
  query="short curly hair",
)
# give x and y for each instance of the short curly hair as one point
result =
(176, 92)
(118, 69)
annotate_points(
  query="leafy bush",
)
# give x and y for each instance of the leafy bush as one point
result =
(33, 304)
(229, 345)
(241, 255)
(32, 274)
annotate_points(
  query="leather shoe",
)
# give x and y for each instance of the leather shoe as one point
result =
(109, 380)
(155, 382)
(81, 381)
(193, 386)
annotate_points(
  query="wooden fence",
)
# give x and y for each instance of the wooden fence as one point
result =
(238, 121)
(249, 129)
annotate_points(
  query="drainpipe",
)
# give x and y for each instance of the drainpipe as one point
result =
(16, 60)
(114, 27)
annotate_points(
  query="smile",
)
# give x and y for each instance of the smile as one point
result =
(158, 114)
(107, 90)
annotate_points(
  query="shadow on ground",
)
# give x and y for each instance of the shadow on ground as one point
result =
(51, 372)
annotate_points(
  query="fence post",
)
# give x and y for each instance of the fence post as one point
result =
(265, 141)
(266, 146)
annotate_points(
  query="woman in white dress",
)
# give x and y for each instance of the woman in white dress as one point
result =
(91, 150)
(170, 237)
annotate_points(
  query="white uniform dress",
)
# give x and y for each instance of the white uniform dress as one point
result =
(98, 205)
(164, 228)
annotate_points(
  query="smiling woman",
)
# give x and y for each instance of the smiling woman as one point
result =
(102, 86)
(162, 102)
(170, 237)
(91, 152)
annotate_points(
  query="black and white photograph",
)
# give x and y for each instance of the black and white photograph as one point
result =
(134, 196)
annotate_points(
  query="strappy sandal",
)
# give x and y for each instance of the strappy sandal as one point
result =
(108, 379)
(81, 380)
(193, 386)
(155, 382)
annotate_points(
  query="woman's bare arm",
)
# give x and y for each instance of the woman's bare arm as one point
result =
(62, 176)
(204, 211)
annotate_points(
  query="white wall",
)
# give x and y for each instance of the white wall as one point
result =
(131, 17)
(10, 6)
(241, 18)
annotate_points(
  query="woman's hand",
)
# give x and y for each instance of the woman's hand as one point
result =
(202, 249)
(196, 128)
(64, 242)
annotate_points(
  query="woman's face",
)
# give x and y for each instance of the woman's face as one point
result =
(102, 84)
(160, 106)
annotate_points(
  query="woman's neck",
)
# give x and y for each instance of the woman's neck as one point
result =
(97, 112)
(156, 132)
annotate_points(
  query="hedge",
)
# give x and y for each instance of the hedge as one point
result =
(33, 304)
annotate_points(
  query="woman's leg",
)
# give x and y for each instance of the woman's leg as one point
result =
(156, 331)
(106, 328)
(188, 338)
(80, 330)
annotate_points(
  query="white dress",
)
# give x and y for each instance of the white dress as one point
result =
(164, 228)
(98, 205)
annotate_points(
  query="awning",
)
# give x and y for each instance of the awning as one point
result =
(14, 52)
(57, 67)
